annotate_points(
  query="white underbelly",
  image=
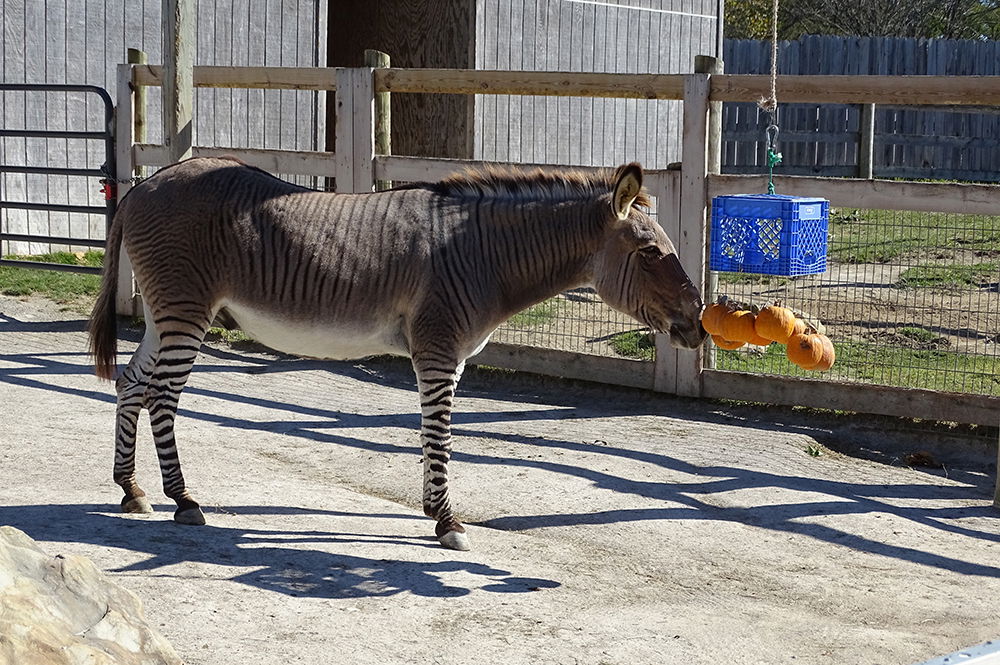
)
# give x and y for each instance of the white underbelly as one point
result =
(317, 340)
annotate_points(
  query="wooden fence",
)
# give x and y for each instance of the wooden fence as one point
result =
(958, 142)
(683, 196)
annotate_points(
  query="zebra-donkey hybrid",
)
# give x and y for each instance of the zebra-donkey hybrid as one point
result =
(426, 270)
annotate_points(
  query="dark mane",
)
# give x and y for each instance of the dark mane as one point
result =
(511, 183)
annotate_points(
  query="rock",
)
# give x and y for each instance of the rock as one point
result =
(62, 610)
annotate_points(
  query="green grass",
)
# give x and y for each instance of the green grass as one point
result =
(921, 335)
(62, 287)
(953, 275)
(536, 315)
(869, 362)
(879, 236)
(637, 344)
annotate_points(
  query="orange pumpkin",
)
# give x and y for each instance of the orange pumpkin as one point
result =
(757, 340)
(724, 343)
(775, 323)
(805, 350)
(711, 318)
(800, 327)
(829, 355)
(738, 326)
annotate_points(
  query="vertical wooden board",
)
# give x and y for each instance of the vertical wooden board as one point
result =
(222, 44)
(344, 148)
(35, 117)
(693, 234)
(363, 116)
(13, 150)
(666, 190)
(255, 57)
(240, 57)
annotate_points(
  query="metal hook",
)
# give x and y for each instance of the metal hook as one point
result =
(772, 135)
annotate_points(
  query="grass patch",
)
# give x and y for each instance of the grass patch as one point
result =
(868, 362)
(637, 344)
(878, 236)
(536, 315)
(921, 335)
(62, 287)
(953, 275)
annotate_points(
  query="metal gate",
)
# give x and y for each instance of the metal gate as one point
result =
(106, 172)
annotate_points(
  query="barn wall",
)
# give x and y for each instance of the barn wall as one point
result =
(623, 36)
(82, 41)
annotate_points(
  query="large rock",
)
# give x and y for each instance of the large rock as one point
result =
(63, 611)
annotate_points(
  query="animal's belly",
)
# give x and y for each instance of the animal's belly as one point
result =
(335, 341)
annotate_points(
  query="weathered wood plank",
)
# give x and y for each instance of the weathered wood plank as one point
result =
(826, 89)
(567, 364)
(877, 194)
(558, 84)
(285, 162)
(270, 78)
(859, 397)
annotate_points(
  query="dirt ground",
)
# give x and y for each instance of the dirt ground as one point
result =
(608, 526)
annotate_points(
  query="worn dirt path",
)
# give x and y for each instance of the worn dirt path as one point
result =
(608, 526)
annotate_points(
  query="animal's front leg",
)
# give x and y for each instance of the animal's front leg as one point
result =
(436, 381)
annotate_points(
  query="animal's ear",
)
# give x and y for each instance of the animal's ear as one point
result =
(628, 184)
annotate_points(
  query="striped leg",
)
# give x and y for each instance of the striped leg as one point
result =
(131, 387)
(436, 382)
(180, 341)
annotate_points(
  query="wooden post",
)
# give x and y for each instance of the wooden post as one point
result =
(692, 249)
(126, 303)
(665, 186)
(139, 57)
(354, 152)
(866, 143)
(383, 113)
(178, 76)
(705, 64)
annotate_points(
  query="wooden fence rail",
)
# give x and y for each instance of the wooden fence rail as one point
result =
(682, 198)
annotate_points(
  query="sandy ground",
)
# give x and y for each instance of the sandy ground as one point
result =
(608, 526)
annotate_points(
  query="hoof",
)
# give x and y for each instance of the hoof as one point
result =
(455, 540)
(137, 504)
(192, 516)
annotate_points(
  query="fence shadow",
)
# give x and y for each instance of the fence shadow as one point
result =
(576, 401)
(273, 564)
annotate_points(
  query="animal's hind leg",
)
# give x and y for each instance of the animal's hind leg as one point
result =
(180, 340)
(131, 388)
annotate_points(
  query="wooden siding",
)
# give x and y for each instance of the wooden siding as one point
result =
(625, 36)
(77, 41)
(943, 143)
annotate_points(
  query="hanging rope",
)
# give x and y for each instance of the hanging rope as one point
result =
(770, 104)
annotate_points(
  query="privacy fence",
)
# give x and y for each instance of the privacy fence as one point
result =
(887, 140)
(890, 300)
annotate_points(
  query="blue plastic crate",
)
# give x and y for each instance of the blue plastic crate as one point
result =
(769, 234)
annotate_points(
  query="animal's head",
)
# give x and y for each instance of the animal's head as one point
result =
(637, 272)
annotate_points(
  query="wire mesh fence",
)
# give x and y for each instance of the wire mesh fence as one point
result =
(910, 299)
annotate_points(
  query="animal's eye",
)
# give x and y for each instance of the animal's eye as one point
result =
(651, 252)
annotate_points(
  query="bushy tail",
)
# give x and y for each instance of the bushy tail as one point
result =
(103, 325)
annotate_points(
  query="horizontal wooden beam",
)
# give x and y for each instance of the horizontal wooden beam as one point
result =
(567, 364)
(907, 90)
(284, 162)
(859, 397)
(273, 78)
(872, 194)
(422, 169)
(558, 84)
